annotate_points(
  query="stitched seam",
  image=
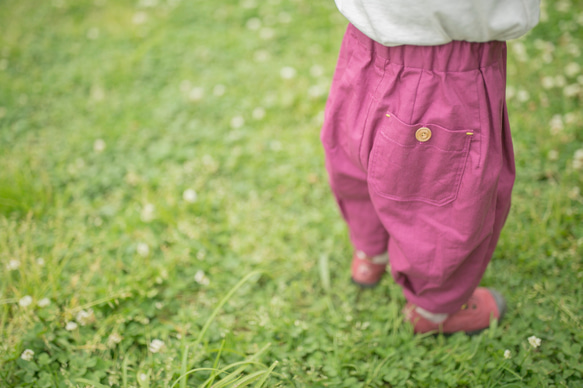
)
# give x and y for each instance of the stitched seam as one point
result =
(415, 99)
(480, 118)
(374, 100)
(445, 71)
(426, 145)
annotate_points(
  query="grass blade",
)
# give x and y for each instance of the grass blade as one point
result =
(267, 374)
(220, 305)
(324, 272)
(91, 383)
(215, 365)
(183, 367)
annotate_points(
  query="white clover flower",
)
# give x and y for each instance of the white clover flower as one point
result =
(201, 278)
(574, 193)
(578, 159)
(572, 90)
(553, 155)
(523, 95)
(560, 81)
(113, 339)
(99, 145)
(97, 93)
(25, 301)
(548, 82)
(155, 346)
(27, 355)
(237, 122)
(143, 377)
(520, 51)
(40, 262)
(70, 326)
(316, 71)
(84, 317)
(261, 56)
(147, 214)
(275, 145)
(316, 91)
(570, 118)
(545, 46)
(284, 17)
(219, 90)
(196, 94)
(507, 354)
(44, 302)
(556, 124)
(143, 249)
(189, 195)
(12, 265)
(185, 86)
(140, 18)
(113, 380)
(207, 160)
(510, 92)
(563, 6)
(267, 33)
(287, 72)
(253, 24)
(547, 57)
(534, 341)
(148, 3)
(248, 4)
(93, 33)
(258, 113)
(573, 48)
(572, 69)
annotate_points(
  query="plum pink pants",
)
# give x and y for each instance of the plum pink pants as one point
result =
(420, 160)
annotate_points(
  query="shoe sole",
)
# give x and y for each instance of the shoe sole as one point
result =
(365, 285)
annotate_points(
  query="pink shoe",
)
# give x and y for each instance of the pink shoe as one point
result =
(472, 318)
(368, 271)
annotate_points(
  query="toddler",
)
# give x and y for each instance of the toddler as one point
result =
(418, 149)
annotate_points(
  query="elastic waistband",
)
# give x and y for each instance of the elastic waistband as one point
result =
(450, 57)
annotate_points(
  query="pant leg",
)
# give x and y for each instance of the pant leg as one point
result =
(350, 190)
(344, 123)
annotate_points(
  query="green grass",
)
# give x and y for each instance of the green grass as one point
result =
(189, 95)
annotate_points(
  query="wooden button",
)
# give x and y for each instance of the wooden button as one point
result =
(423, 134)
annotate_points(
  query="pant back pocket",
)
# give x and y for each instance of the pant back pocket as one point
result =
(419, 162)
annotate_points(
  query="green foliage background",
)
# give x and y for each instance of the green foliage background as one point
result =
(155, 153)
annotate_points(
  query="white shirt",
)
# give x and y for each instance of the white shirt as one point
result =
(435, 22)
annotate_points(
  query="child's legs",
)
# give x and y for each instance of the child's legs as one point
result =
(442, 198)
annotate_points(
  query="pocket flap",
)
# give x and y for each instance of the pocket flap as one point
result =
(427, 135)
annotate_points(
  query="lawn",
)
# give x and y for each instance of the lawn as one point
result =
(165, 218)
